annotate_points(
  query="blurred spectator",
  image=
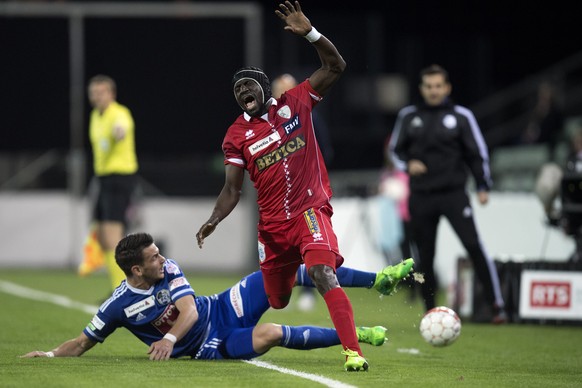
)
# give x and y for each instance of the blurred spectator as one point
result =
(558, 188)
(574, 162)
(547, 186)
(439, 143)
(546, 122)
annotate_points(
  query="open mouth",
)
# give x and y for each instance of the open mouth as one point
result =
(249, 101)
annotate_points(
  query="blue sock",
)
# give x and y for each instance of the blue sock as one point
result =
(347, 277)
(308, 337)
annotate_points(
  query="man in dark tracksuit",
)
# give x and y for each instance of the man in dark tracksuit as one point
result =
(435, 143)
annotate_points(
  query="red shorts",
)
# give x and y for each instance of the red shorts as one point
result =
(282, 247)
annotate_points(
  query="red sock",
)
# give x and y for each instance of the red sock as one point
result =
(342, 316)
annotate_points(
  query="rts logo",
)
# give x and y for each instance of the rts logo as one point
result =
(550, 294)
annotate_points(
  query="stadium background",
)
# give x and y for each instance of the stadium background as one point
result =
(175, 75)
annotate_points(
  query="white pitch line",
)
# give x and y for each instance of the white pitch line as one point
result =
(60, 300)
(318, 379)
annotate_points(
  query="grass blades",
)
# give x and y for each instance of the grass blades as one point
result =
(512, 355)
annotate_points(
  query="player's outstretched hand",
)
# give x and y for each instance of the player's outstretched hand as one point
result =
(205, 231)
(161, 350)
(292, 15)
(37, 353)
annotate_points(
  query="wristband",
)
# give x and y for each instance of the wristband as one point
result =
(313, 35)
(49, 354)
(170, 337)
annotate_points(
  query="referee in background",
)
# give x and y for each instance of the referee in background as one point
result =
(438, 143)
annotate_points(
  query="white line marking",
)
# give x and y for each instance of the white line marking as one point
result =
(318, 379)
(409, 351)
(60, 300)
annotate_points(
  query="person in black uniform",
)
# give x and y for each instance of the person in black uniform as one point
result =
(438, 143)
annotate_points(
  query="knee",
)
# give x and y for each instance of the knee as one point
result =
(265, 336)
(323, 277)
(270, 332)
(279, 302)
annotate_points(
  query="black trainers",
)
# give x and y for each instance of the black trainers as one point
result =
(499, 316)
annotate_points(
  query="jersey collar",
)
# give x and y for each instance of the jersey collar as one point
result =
(265, 116)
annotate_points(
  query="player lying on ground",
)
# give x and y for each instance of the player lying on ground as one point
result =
(157, 304)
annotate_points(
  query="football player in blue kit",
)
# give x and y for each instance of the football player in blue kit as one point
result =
(157, 304)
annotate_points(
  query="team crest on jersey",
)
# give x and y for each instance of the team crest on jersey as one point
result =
(450, 121)
(284, 112)
(312, 224)
(416, 122)
(292, 125)
(139, 306)
(264, 143)
(163, 297)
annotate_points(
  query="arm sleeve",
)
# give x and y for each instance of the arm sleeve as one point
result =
(476, 152)
(397, 149)
(232, 154)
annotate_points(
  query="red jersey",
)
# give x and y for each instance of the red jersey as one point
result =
(280, 152)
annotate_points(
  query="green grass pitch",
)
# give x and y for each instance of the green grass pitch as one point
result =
(512, 355)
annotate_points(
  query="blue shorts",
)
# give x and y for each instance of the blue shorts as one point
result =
(234, 314)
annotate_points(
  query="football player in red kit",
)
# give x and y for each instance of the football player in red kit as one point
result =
(274, 141)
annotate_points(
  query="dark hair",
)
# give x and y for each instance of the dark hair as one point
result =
(434, 69)
(129, 250)
(104, 79)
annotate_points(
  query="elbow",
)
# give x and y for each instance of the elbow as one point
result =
(343, 64)
(234, 193)
(340, 66)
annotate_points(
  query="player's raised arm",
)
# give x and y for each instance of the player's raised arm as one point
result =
(332, 63)
(71, 348)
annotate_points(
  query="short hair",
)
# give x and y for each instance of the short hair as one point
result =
(129, 251)
(104, 79)
(434, 69)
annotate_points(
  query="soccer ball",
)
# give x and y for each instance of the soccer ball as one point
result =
(440, 326)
